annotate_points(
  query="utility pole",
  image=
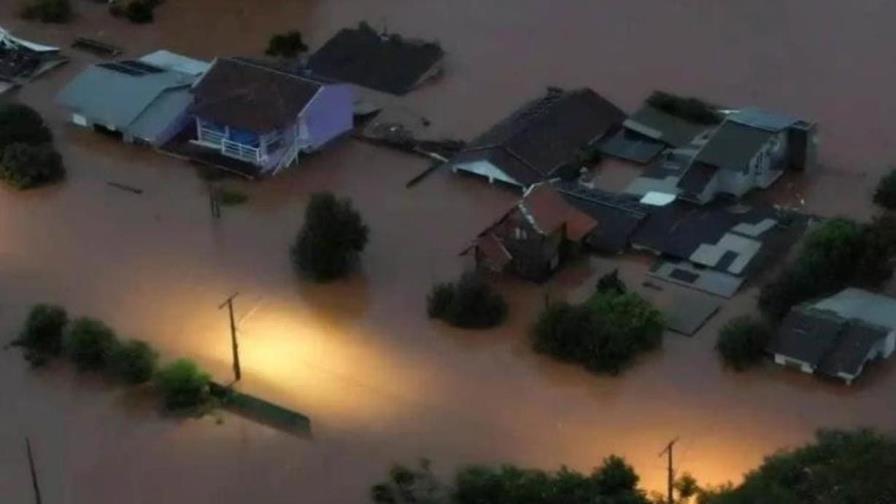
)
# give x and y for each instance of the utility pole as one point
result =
(34, 483)
(668, 451)
(236, 351)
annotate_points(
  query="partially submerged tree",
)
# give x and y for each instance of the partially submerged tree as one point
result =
(133, 361)
(611, 283)
(689, 108)
(471, 302)
(286, 45)
(604, 334)
(839, 467)
(333, 236)
(43, 332)
(742, 342)
(183, 385)
(885, 195)
(47, 11)
(25, 166)
(90, 343)
(22, 124)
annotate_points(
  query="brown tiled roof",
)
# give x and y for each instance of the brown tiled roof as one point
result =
(549, 211)
(253, 97)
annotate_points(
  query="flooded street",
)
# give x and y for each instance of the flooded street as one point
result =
(380, 381)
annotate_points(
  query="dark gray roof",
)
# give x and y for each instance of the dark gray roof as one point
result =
(387, 63)
(733, 145)
(631, 146)
(250, 96)
(758, 118)
(807, 336)
(617, 215)
(546, 134)
(849, 354)
(697, 178)
(671, 130)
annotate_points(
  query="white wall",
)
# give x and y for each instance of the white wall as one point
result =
(786, 361)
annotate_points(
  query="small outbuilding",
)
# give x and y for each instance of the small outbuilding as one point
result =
(837, 336)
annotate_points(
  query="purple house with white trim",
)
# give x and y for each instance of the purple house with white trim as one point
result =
(266, 117)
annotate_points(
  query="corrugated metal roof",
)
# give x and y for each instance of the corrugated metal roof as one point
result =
(758, 118)
(862, 305)
(160, 115)
(733, 145)
(117, 99)
(172, 61)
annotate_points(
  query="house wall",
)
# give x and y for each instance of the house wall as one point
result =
(734, 182)
(783, 360)
(485, 169)
(771, 161)
(329, 115)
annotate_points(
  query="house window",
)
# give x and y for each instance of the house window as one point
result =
(519, 233)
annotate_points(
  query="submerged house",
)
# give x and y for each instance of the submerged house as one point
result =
(541, 141)
(749, 150)
(381, 61)
(837, 336)
(21, 60)
(143, 101)
(534, 237)
(264, 117)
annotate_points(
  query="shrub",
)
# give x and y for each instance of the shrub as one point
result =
(286, 45)
(232, 197)
(139, 11)
(47, 11)
(43, 331)
(469, 303)
(692, 109)
(25, 166)
(610, 283)
(183, 385)
(838, 253)
(331, 239)
(133, 361)
(742, 342)
(21, 124)
(604, 334)
(885, 195)
(90, 343)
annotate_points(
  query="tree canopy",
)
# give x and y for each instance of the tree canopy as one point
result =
(25, 166)
(885, 195)
(333, 236)
(742, 342)
(47, 11)
(604, 334)
(286, 45)
(471, 302)
(20, 123)
(839, 467)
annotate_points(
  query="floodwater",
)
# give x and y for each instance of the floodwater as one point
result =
(381, 382)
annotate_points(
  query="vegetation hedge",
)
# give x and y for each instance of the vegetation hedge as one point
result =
(183, 385)
(133, 361)
(469, 303)
(43, 333)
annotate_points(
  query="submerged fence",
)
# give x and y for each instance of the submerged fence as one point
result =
(262, 411)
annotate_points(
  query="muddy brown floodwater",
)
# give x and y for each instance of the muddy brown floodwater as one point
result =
(380, 381)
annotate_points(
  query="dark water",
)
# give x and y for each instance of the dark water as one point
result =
(380, 381)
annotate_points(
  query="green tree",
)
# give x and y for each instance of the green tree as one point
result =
(22, 124)
(133, 361)
(333, 236)
(611, 283)
(469, 303)
(742, 342)
(47, 11)
(839, 467)
(408, 485)
(183, 385)
(42, 333)
(90, 343)
(286, 45)
(25, 166)
(885, 195)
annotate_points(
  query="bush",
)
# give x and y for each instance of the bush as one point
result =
(22, 124)
(43, 332)
(139, 11)
(286, 45)
(331, 239)
(610, 283)
(469, 303)
(133, 361)
(742, 342)
(885, 195)
(692, 109)
(838, 253)
(25, 166)
(48, 11)
(605, 334)
(183, 385)
(90, 344)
